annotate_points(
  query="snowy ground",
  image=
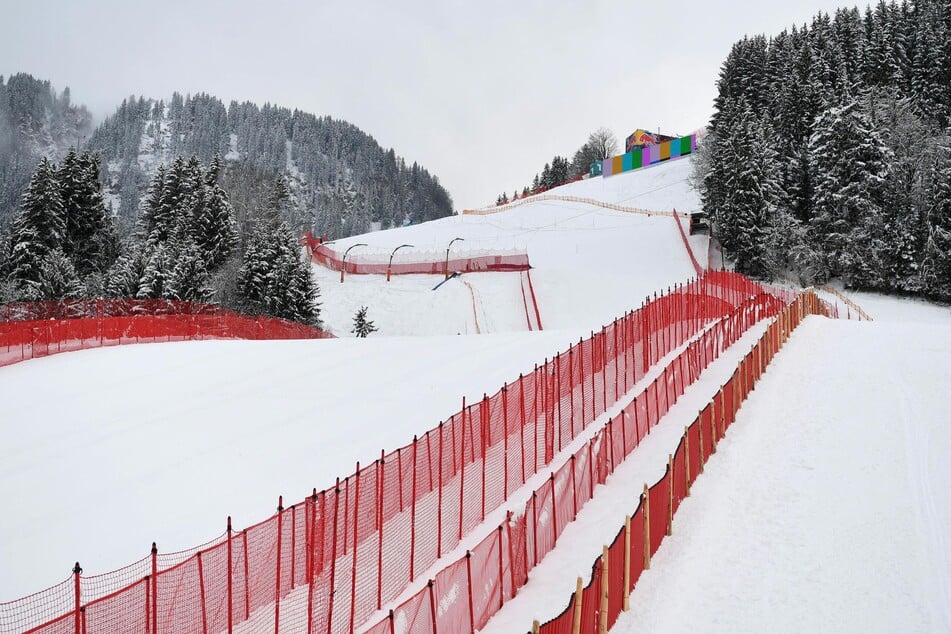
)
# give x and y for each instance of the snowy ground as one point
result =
(590, 264)
(825, 508)
(104, 451)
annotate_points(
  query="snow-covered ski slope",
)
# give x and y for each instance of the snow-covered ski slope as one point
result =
(104, 451)
(825, 508)
(589, 264)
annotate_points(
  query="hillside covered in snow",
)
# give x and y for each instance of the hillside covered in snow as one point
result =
(342, 182)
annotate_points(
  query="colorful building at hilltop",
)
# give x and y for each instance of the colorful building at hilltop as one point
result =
(643, 156)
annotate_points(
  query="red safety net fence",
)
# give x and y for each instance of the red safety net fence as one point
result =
(330, 561)
(527, 536)
(406, 262)
(38, 329)
(595, 607)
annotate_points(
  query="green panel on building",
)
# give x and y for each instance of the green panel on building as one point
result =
(637, 157)
(685, 145)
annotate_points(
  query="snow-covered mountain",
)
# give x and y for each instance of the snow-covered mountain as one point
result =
(35, 121)
(342, 182)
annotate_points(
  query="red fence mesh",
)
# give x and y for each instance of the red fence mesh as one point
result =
(695, 447)
(330, 562)
(32, 330)
(406, 262)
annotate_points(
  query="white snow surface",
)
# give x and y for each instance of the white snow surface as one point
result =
(590, 264)
(104, 451)
(824, 509)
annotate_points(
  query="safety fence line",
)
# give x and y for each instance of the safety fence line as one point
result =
(415, 263)
(528, 314)
(344, 550)
(686, 241)
(595, 607)
(466, 593)
(34, 330)
(531, 294)
(850, 305)
(475, 306)
(541, 198)
(852, 309)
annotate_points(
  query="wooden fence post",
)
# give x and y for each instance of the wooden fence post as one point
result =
(576, 617)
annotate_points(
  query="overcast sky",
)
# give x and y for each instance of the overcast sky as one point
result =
(481, 93)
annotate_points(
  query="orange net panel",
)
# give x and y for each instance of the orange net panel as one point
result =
(485, 565)
(452, 597)
(127, 610)
(680, 475)
(637, 545)
(696, 451)
(591, 601)
(49, 611)
(616, 559)
(417, 614)
(563, 623)
(564, 496)
(658, 500)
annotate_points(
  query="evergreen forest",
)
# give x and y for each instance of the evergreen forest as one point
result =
(829, 152)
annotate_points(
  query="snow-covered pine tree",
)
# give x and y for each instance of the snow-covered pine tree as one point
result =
(849, 163)
(937, 260)
(123, 277)
(361, 325)
(38, 229)
(90, 240)
(903, 228)
(156, 273)
(189, 279)
(750, 196)
(214, 229)
(58, 278)
(274, 279)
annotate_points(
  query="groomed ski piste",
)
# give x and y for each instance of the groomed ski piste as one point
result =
(823, 509)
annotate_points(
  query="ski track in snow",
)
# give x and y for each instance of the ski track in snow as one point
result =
(918, 449)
